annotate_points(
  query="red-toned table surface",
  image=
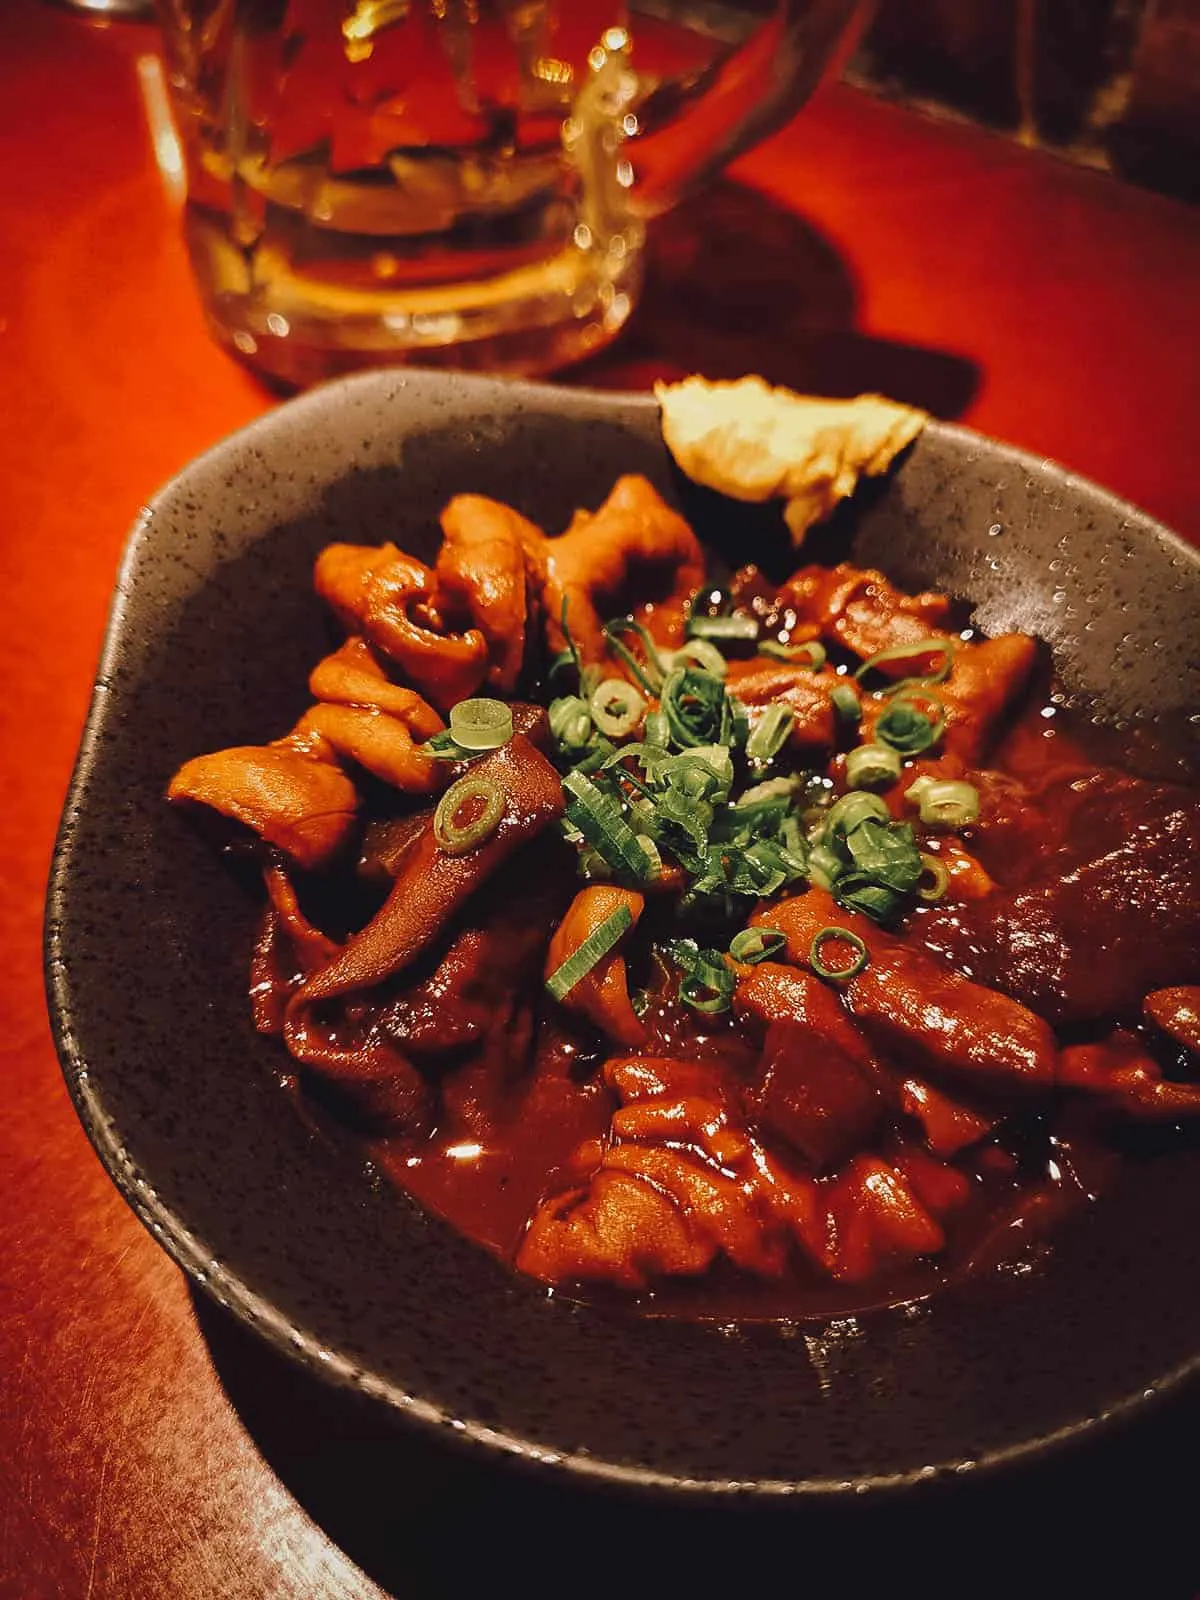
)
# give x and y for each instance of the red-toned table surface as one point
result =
(147, 1447)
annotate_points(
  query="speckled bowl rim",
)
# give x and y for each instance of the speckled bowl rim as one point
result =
(227, 1288)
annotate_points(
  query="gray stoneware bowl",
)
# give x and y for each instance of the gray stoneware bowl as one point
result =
(214, 627)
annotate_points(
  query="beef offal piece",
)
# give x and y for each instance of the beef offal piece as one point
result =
(340, 1035)
(1090, 939)
(907, 1001)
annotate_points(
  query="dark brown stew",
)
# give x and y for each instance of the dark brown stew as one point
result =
(800, 959)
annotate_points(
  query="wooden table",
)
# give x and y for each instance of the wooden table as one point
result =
(150, 1450)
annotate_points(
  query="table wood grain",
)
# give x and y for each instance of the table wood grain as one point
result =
(151, 1450)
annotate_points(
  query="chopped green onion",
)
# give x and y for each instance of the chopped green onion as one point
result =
(570, 722)
(696, 708)
(455, 838)
(840, 936)
(698, 653)
(769, 789)
(652, 855)
(594, 757)
(860, 892)
(847, 707)
(648, 671)
(810, 654)
(572, 647)
(736, 630)
(593, 949)
(756, 944)
(886, 854)
(872, 766)
(934, 879)
(852, 809)
(599, 819)
(589, 681)
(908, 729)
(656, 730)
(709, 985)
(947, 803)
(943, 648)
(735, 722)
(769, 735)
(481, 724)
(616, 707)
(714, 765)
(708, 981)
(825, 866)
(443, 748)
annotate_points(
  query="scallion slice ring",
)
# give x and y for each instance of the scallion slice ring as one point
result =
(908, 726)
(947, 803)
(942, 648)
(833, 935)
(617, 708)
(934, 879)
(756, 944)
(481, 724)
(482, 799)
(872, 766)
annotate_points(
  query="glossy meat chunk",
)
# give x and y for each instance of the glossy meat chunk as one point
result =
(1126, 1077)
(349, 1061)
(938, 1020)
(761, 682)
(986, 682)
(773, 994)
(948, 1123)
(611, 1230)
(354, 676)
(1176, 1011)
(381, 744)
(478, 989)
(634, 552)
(858, 608)
(877, 1217)
(617, 1229)
(293, 796)
(481, 569)
(295, 793)
(602, 994)
(1090, 939)
(287, 949)
(811, 1095)
(431, 885)
(390, 599)
(362, 1075)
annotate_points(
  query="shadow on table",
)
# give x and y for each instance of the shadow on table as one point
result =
(426, 1519)
(737, 284)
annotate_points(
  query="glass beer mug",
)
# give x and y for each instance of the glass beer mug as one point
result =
(458, 182)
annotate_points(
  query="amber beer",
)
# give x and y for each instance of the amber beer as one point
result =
(455, 180)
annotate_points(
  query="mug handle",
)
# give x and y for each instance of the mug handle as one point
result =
(628, 163)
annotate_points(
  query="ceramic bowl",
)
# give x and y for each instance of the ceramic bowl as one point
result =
(214, 627)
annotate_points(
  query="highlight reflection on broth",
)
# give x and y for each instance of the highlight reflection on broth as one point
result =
(748, 949)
